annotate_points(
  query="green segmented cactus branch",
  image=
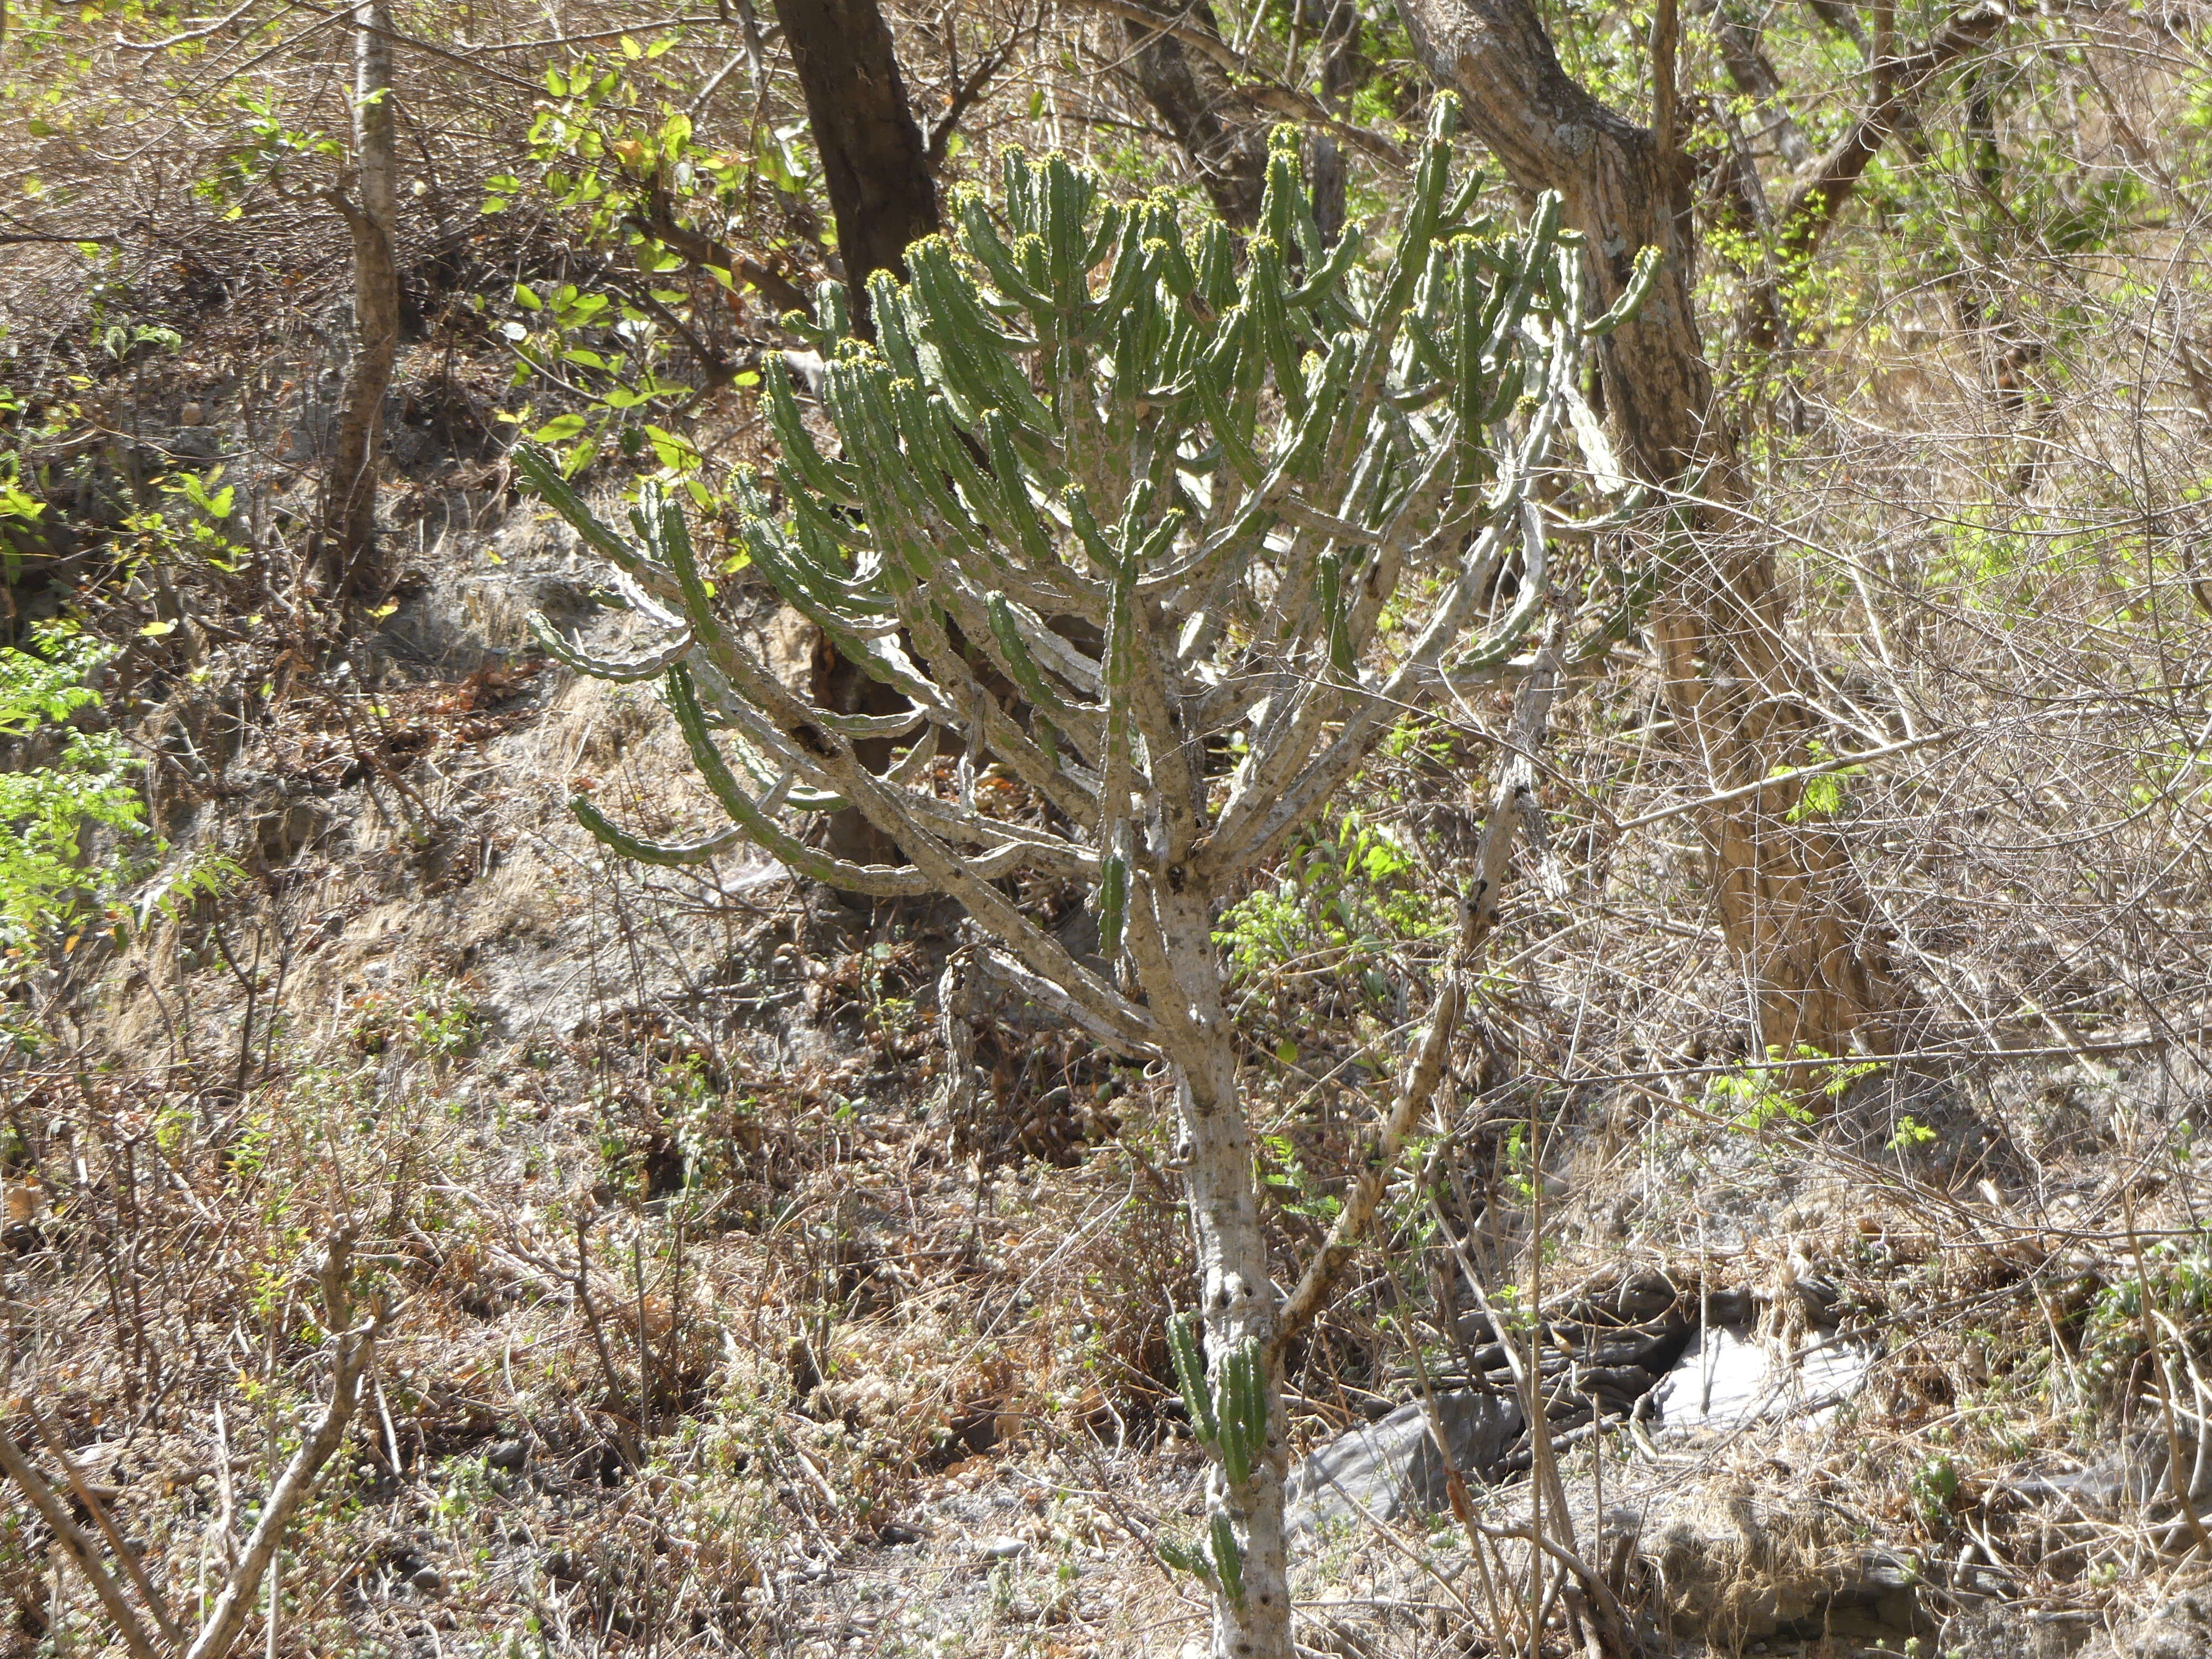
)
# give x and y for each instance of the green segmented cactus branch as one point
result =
(1228, 1562)
(1190, 1373)
(1240, 1408)
(1218, 1562)
(1177, 1559)
(1172, 532)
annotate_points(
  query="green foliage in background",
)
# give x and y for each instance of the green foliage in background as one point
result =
(1349, 888)
(47, 882)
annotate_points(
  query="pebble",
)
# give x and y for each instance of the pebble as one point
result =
(1001, 1549)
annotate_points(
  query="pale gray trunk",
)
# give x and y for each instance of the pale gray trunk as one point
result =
(1239, 1291)
(351, 568)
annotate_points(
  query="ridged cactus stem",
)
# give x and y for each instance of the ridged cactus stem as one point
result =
(1108, 500)
(1241, 1410)
(1183, 1333)
(1228, 1563)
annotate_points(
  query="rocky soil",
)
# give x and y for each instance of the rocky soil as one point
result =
(723, 1311)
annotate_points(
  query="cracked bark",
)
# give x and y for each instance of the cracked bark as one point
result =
(1335, 25)
(1789, 901)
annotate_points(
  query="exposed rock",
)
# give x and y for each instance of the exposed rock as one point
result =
(1996, 1631)
(2131, 1475)
(1390, 1468)
(282, 832)
(1729, 1378)
(2178, 1628)
(195, 443)
(794, 646)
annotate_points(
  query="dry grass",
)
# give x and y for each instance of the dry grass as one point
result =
(695, 1311)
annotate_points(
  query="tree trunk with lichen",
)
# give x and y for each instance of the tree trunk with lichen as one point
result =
(1789, 902)
(1235, 1284)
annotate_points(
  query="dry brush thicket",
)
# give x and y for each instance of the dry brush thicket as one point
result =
(749, 1271)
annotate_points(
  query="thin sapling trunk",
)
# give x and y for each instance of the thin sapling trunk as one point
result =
(352, 567)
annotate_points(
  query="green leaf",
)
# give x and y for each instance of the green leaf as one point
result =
(559, 428)
(527, 297)
(679, 454)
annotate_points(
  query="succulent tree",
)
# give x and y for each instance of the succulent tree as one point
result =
(1174, 532)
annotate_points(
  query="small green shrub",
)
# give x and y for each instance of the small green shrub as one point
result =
(79, 782)
(1351, 889)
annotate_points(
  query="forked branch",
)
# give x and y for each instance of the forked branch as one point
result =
(354, 1347)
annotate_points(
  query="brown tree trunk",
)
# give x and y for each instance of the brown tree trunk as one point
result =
(1335, 25)
(1788, 902)
(1736, 30)
(874, 158)
(352, 568)
(883, 197)
(1898, 84)
(1193, 95)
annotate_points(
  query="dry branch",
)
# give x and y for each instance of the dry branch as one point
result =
(354, 1347)
(1513, 804)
